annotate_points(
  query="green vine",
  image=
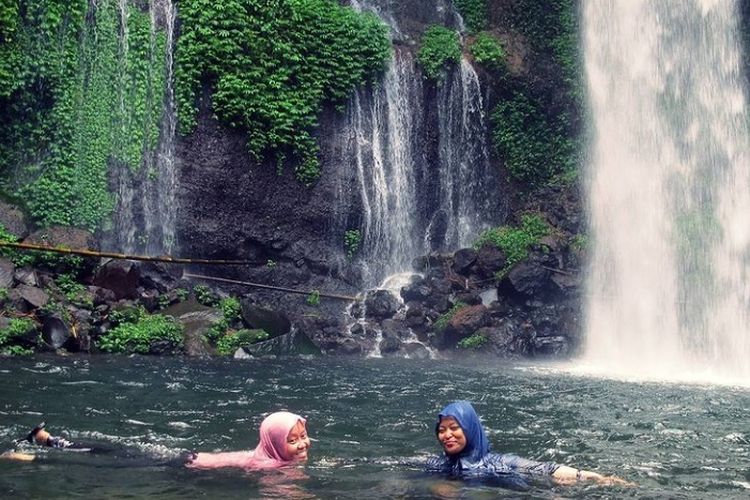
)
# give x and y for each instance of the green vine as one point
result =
(515, 241)
(271, 65)
(438, 48)
(474, 13)
(81, 91)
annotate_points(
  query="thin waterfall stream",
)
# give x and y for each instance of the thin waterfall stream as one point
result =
(669, 190)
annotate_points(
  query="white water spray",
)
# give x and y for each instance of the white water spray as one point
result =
(669, 191)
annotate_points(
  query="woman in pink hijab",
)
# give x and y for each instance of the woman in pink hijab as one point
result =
(283, 441)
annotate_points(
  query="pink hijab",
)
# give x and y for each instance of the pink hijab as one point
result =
(269, 454)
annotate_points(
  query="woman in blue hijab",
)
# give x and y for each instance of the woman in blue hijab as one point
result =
(467, 454)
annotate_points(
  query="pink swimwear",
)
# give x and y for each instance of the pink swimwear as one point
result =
(269, 454)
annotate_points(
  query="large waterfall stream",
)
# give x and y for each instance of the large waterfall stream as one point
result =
(669, 190)
(423, 169)
(146, 202)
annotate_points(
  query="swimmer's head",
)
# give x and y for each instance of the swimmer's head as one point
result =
(460, 432)
(283, 437)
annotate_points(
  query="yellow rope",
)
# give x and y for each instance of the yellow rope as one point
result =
(93, 253)
(269, 287)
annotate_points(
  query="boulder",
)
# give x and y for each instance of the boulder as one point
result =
(55, 332)
(120, 276)
(381, 304)
(463, 259)
(33, 296)
(196, 320)
(490, 260)
(294, 343)
(259, 317)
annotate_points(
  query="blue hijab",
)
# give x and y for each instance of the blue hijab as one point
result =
(477, 445)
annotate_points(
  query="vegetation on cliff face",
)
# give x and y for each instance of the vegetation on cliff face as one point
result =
(439, 47)
(271, 65)
(75, 98)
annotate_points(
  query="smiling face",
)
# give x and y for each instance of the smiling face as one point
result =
(297, 443)
(451, 436)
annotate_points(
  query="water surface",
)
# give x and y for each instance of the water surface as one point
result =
(369, 418)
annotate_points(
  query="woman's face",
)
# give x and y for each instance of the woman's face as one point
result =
(451, 436)
(297, 443)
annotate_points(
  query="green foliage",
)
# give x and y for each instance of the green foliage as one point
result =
(205, 296)
(137, 337)
(271, 264)
(17, 327)
(271, 65)
(232, 341)
(442, 322)
(231, 308)
(474, 13)
(488, 51)
(352, 242)
(74, 292)
(474, 341)
(515, 241)
(535, 146)
(314, 298)
(182, 294)
(538, 132)
(579, 243)
(79, 92)
(438, 47)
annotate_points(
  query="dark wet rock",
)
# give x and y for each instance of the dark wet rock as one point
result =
(464, 323)
(164, 348)
(101, 296)
(463, 259)
(13, 220)
(294, 343)
(196, 320)
(381, 304)
(160, 276)
(149, 299)
(26, 276)
(418, 291)
(33, 296)
(120, 276)
(55, 331)
(490, 260)
(259, 317)
(7, 272)
(470, 298)
(415, 350)
(553, 346)
(525, 280)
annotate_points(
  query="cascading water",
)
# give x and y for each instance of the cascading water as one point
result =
(669, 190)
(416, 195)
(146, 205)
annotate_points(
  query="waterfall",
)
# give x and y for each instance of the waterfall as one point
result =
(464, 157)
(146, 205)
(669, 190)
(415, 193)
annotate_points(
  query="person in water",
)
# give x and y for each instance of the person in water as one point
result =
(283, 441)
(467, 454)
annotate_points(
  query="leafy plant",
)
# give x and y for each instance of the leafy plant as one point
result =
(439, 47)
(515, 241)
(138, 337)
(232, 341)
(313, 299)
(474, 341)
(205, 296)
(17, 327)
(474, 13)
(442, 322)
(271, 66)
(231, 308)
(487, 50)
(352, 242)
